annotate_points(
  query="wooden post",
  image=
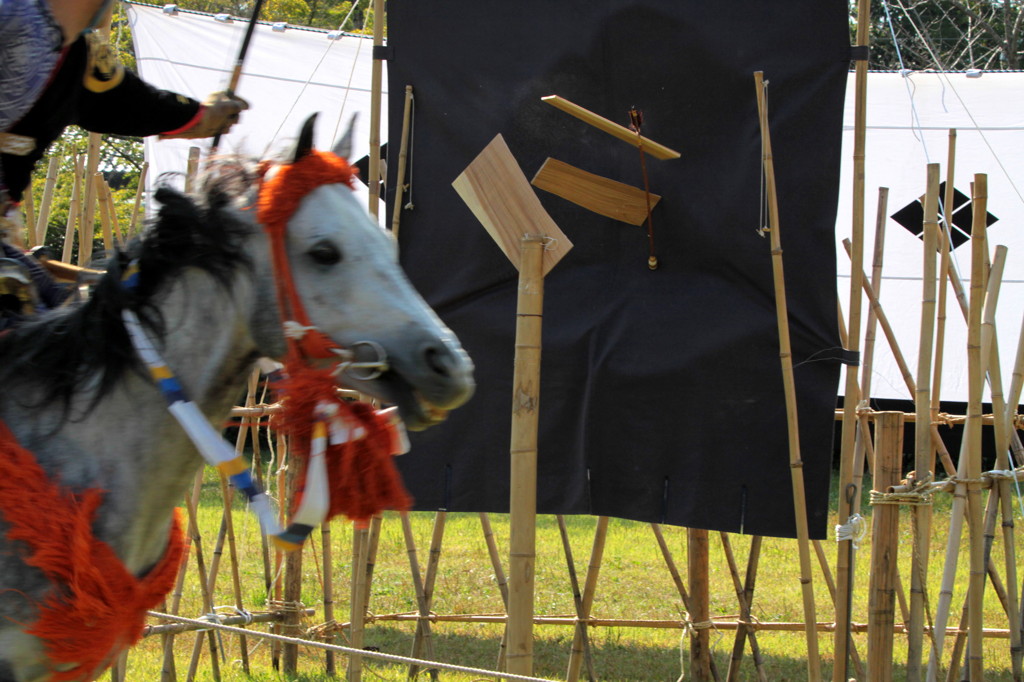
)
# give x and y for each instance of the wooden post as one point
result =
(523, 451)
(976, 370)
(102, 200)
(885, 536)
(786, 358)
(357, 611)
(923, 449)
(328, 568)
(580, 642)
(74, 212)
(133, 227)
(697, 566)
(423, 633)
(499, 195)
(403, 159)
(43, 215)
(376, 88)
(851, 395)
(28, 205)
(86, 227)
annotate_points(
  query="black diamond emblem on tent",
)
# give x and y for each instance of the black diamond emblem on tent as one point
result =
(911, 216)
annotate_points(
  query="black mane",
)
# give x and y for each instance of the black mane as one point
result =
(63, 350)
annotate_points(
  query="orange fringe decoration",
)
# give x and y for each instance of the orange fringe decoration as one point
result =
(362, 477)
(96, 607)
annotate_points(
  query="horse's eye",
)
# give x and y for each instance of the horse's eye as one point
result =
(325, 253)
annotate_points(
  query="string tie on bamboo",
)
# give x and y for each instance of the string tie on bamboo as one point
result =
(1000, 475)
(286, 606)
(323, 631)
(854, 530)
(690, 628)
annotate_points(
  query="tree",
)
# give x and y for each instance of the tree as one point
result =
(945, 34)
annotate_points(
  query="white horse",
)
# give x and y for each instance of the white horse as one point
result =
(76, 396)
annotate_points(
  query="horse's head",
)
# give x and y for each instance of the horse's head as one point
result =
(341, 278)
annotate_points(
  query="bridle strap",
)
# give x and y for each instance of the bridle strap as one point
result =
(278, 199)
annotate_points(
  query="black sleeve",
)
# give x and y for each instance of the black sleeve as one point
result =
(135, 108)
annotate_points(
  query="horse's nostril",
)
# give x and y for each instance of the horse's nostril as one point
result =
(438, 360)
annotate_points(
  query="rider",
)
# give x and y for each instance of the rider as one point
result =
(56, 69)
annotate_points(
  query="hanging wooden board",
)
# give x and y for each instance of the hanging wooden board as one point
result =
(501, 198)
(596, 193)
(658, 151)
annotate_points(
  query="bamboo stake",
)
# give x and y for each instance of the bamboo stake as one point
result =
(86, 227)
(403, 159)
(421, 640)
(277, 648)
(168, 674)
(973, 427)
(376, 88)
(699, 617)
(28, 205)
(191, 169)
(102, 196)
(684, 595)
(133, 226)
(115, 227)
(885, 529)
(851, 396)
(43, 217)
(786, 358)
(292, 589)
(523, 452)
(500, 578)
(923, 449)
(862, 443)
(830, 583)
(577, 600)
(74, 212)
(580, 643)
(742, 632)
(197, 542)
(328, 569)
(423, 606)
(357, 609)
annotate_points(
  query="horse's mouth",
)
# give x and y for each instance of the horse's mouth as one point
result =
(417, 411)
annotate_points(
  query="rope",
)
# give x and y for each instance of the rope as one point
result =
(392, 658)
(854, 530)
(912, 499)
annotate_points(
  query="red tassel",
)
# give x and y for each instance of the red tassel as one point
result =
(363, 479)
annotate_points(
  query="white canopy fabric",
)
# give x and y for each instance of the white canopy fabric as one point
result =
(287, 76)
(908, 122)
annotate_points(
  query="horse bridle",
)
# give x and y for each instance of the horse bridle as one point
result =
(277, 199)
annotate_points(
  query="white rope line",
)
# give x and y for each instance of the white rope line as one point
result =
(392, 658)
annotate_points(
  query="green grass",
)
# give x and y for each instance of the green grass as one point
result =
(634, 584)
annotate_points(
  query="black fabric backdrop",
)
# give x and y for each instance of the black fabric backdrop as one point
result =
(661, 395)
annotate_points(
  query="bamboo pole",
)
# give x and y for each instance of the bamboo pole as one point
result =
(580, 642)
(699, 617)
(923, 450)
(292, 589)
(133, 226)
(884, 532)
(86, 227)
(168, 674)
(577, 600)
(743, 632)
(115, 226)
(357, 610)
(830, 583)
(376, 88)
(422, 639)
(191, 169)
(786, 358)
(423, 606)
(328, 571)
(403, 159)
(102, 200)
(851, 396)
(500, 578)
(43, 215)
(976, 368)
(523, 452)
(197, 542)
(28, 205)
(74, 211)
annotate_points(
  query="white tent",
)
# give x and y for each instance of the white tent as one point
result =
(908, 121)
(292, 73)
(288, 75)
